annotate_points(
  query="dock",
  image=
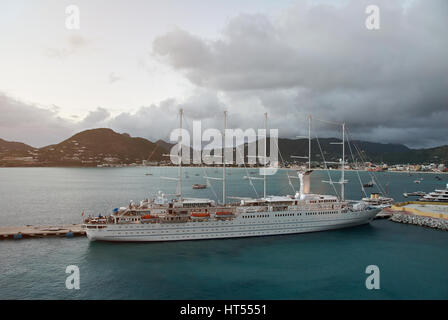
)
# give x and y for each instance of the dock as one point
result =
(24, 232)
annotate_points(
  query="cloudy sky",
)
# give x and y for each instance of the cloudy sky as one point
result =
(132, 64)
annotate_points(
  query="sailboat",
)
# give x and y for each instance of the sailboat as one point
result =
(177, 219)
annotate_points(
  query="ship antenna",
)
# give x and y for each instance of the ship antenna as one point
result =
(265, 146)
(309, 142)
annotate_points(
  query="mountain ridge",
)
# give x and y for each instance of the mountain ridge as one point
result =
(103, 145)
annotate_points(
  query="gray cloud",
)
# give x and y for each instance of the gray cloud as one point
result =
(157, 121)
(31, 124)
(39, 126)
(388, 85)
(96, 117)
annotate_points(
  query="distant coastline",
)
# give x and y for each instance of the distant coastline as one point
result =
(105, 147)
(217, 167)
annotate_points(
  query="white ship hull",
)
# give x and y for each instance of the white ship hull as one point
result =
(259, 224)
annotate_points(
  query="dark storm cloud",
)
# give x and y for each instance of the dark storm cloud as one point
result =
(388, 84)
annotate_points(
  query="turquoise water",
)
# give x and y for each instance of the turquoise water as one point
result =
(413, 261)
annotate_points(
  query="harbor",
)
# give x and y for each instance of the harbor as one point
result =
(432, 213)
(411, 212)
(213, 268)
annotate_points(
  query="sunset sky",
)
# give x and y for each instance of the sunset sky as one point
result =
(132, 64)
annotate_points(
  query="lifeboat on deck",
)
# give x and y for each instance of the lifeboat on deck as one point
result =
(147, 218)
(200, 215)
(224, 214)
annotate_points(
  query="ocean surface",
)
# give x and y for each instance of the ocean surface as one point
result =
(413, 261)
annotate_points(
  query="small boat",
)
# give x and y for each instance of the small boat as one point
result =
(438, 178)
(378, 201)
(199, 186)
(417, 181)
(414, 194)
(437, 196)
(368, 185)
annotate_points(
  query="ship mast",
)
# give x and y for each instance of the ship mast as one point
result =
(224, 161)
(343, 164)
(309, 143)
(179, 141)
(265, 155)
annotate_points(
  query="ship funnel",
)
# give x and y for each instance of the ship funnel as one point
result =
(304, 177)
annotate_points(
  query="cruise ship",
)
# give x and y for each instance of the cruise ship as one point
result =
(439, 195)
(181, 218)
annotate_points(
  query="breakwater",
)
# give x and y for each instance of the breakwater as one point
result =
(430, 222)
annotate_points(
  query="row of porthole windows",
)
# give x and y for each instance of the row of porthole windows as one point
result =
(142, 233)
(224, 235)
(216, 229)
(320, 213)
(133, 226)
(257, 216)
(285, 215)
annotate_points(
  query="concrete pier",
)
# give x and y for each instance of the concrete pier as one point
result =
(17, 233)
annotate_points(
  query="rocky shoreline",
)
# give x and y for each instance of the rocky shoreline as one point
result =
(429, 222)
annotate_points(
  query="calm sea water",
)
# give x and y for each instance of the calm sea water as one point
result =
(413, 261)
